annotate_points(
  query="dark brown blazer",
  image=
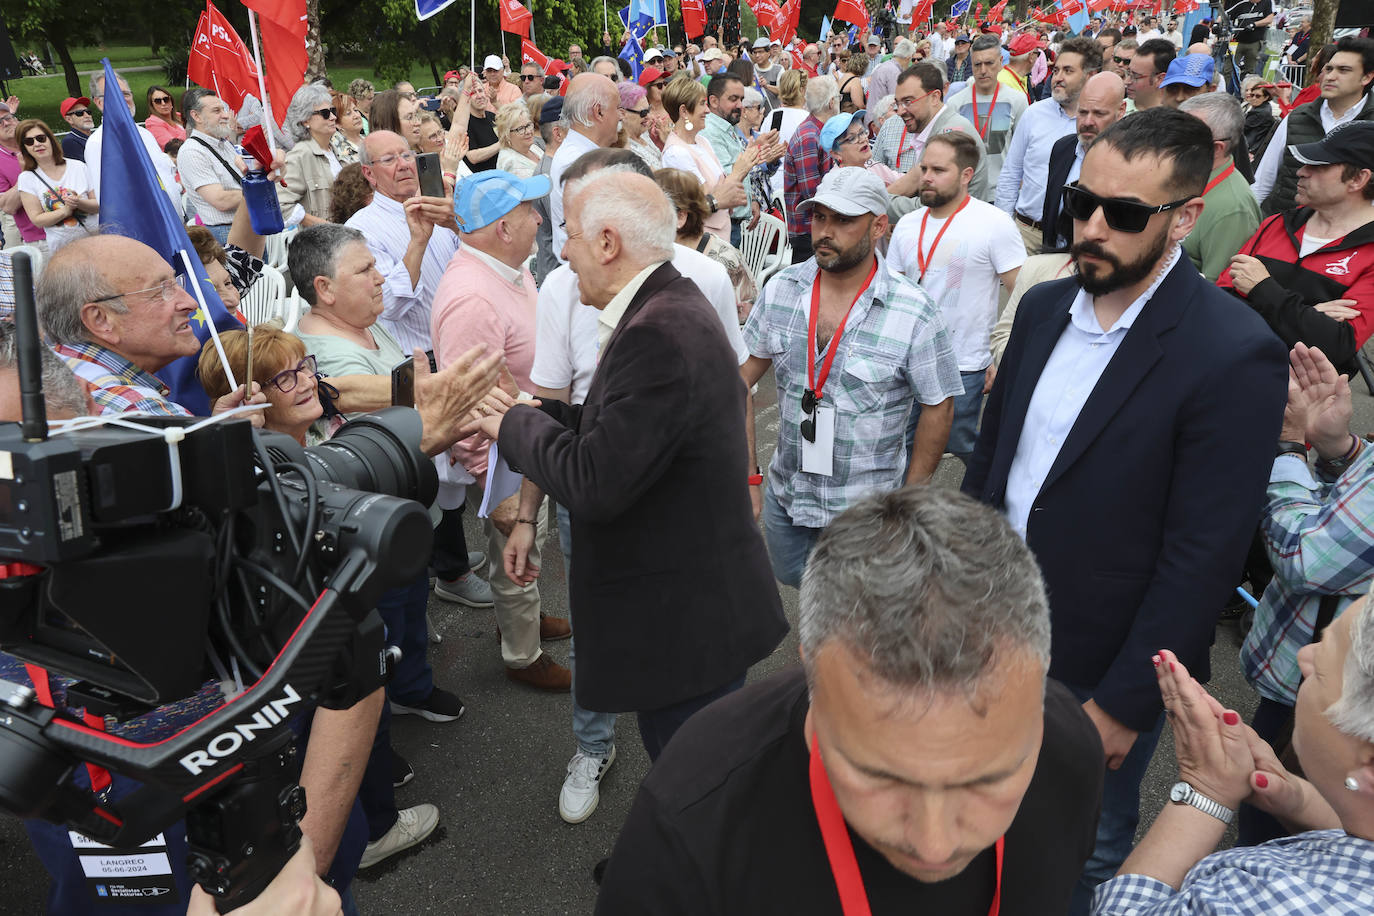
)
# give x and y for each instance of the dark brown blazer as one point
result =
(671, 590)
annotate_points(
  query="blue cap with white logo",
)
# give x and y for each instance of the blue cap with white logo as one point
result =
(482, 199)
(1190, 70)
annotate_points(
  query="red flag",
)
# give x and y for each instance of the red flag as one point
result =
(515, 18)
(220, 61)
(995, 14)
(1070, 7)
(978, 13)
(1184, 7)
(529, 54)
(853, 12)
(694, 17)
(921, 12)
(281, 26)
(787, 23)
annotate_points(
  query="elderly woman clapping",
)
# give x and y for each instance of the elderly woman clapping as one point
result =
(1328, 869)
(311, 165)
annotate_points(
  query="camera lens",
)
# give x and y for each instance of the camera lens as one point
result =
(378, 453)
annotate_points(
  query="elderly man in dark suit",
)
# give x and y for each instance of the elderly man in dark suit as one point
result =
(1128, 437)
(654, 470)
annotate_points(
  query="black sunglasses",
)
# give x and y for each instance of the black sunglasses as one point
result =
(326, 112)
(159, 99)
(642, 112)
(1122, 60)
(78, 112)
(808, 406)
(1122, 215)
(41, 138)
(526, 77)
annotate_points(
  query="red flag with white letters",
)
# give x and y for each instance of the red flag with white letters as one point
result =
(281, 26)
(853, 12)
(515, 18)
(220, 61)
(529, 54)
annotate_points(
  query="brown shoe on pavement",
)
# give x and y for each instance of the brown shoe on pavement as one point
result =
(543, 674)
(554, 628)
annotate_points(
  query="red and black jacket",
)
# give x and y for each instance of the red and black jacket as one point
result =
(1343, 269)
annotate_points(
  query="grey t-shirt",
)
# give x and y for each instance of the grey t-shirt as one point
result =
(337, 356)
(769, 74)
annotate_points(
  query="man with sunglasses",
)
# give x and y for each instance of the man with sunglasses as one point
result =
(877, 345)
(1128, 437)
(531, 80)
(77, 113)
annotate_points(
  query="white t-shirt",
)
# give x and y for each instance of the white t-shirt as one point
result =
(565, 329)
(75, 179)
(981, 243)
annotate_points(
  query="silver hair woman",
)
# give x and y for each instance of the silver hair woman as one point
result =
(311, 165)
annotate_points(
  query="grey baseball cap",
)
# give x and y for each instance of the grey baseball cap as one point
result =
(850, 191)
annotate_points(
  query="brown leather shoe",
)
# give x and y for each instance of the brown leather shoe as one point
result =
(544, 674)
(554, 628)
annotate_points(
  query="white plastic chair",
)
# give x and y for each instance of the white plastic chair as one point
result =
(757, 247)
(35, 257)
(266, 298)
(275, 247)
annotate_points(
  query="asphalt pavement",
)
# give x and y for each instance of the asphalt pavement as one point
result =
(501, 847)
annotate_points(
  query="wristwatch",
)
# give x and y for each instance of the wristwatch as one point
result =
(711, 200)
(1289, 447)
(1184, 794)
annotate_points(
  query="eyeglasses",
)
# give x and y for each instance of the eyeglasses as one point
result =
(326, 113)
(285, 380)
(642, 112)
(38, 138)
(526, 77)
(411, 118)
(78, 112)
(167, 291)
(1122, 215)
(808, 406)
(161, 99)
(1124, 61)
(907, 103)
(407, 156)
(523, 129)
(860, 138)
(7, 118)
(408, 95)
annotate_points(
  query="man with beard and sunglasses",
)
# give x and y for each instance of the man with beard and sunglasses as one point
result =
(854, 347)
(1128, 438)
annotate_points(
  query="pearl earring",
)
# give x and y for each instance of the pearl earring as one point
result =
(1351, 784)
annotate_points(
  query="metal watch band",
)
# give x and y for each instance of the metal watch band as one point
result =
(1208, 805)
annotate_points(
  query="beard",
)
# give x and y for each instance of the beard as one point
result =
(833, 261)
(219, 131)
(933, 198)
(1098, 282)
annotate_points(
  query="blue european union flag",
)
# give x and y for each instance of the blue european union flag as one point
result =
(959, 8)
(635, 55)
(426, 8)
(641, 26)
(655, 11)
(134, 204)
(854, 33)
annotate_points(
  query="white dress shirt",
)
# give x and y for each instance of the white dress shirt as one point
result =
(1268, 170)
(405, 305)
(572, 149)
(1026, 169)
(1068, 379)
(162, 164)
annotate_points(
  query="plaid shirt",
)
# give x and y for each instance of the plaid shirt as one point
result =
(117, 385)
(895, 142)
(894, 347)
(1318, 539)
(802, 167)
(6, 286)
(1320, 873)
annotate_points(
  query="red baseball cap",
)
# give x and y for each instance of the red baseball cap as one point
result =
(452, 75)
(1024, 43)
(69, 104)
(648, 75)
(555, 66)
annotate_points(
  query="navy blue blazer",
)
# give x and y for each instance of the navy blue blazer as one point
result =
(1143, 522)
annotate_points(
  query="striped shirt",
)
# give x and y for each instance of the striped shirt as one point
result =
(117, 385)
(1319, 873)
(199, 168)
(405, 306)
(1318, 539)
(895, 349)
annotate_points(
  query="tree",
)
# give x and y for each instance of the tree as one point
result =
(52, 21)
(1323, 25)
(314, 46)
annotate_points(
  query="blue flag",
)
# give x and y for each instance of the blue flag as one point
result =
(654, 11)
(959, 8)
(854, 32)
(641, 25)
(426, 8)
(134, 204)
(635, 55)
(825, 29)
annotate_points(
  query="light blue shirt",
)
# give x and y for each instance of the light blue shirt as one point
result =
(1026, 169)
(1069, 377)
(405, 305)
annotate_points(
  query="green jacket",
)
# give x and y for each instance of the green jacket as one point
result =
(1228, 220)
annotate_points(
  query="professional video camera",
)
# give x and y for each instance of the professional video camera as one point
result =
(144, 557)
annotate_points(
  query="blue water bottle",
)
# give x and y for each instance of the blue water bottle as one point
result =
(264, 211)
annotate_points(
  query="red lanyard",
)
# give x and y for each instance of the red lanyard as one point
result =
(923, 262)
(983, 130)
(1219, 179)
(818, 382)
(900, 143)
(840, 851)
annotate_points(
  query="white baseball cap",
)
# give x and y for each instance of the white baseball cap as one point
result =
(493, 63)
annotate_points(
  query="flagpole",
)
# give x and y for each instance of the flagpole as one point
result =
(503, 42)
(269, 121)
(205, 313)
(472, 37)
(605, 23)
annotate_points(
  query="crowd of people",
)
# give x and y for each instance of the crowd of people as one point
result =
(1126, 301)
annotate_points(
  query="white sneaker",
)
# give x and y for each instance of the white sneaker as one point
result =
(582, 786)
(412, 826)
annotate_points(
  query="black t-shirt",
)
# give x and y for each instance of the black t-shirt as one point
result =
(724, 823)
(481, 132)
(1244, 15)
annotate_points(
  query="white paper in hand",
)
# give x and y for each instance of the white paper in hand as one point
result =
(502, 482)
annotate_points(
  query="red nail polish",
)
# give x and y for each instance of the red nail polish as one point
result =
(1155, 659)
(1173, 667)
(1230, 718)
(1261, 781)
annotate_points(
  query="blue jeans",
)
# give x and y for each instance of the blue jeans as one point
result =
(789, 544)
(594, 731)
(657, 726)
(403, 612)
(221, 233)
(963, 431)
(1120, 814)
